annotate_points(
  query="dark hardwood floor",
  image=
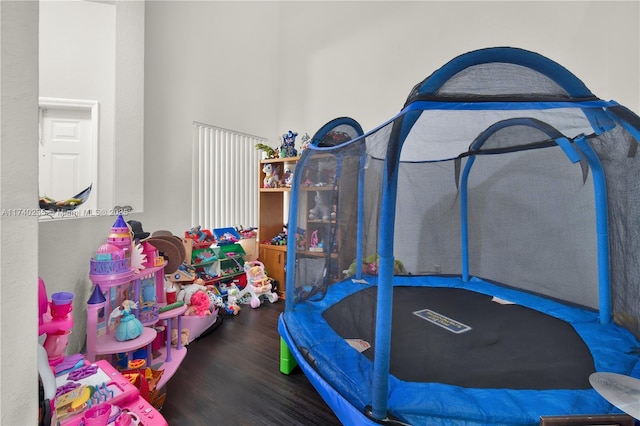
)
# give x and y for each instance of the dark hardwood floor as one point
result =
(232, 377)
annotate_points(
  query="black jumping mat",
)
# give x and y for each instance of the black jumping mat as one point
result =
(463, 338)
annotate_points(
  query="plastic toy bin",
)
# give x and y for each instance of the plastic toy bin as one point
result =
(226, 236)
(204, 256)
(232, 250)
(232, 261)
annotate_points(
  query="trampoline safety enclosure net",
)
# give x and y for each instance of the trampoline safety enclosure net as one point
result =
(463, 263)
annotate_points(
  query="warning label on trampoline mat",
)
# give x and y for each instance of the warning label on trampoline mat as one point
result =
(442, 321)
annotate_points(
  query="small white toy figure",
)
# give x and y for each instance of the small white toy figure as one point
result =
(321, 210)
(288, 178)
(305, 140)
(130, 327)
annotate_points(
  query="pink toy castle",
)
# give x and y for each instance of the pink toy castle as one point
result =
(114, 256)
(153, 258)
(120, 235)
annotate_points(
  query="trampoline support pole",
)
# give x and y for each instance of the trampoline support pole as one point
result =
(360, 224)
(382, 356)
(602, 229)
(464, 219)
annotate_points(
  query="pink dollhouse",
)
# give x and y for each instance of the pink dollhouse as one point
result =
(116, 280)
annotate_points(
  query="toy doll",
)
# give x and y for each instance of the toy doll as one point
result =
(130, 327)
(200, 304)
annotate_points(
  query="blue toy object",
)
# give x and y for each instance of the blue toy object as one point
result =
(130, 327)
(288, 148)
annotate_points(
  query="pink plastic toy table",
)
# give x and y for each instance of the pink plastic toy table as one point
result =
(121, 393)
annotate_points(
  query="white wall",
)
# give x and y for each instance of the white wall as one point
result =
(361, 59)
(211, 62)
(18, 232)
(66, 57)
(77, 61)
(267, 67)
(261, 68)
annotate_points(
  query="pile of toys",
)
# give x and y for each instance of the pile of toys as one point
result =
(278, 240)
(246, 233)
(219, 279)
(200, 236)
(287, 148)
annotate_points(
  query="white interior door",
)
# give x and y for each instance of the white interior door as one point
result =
(66, 153)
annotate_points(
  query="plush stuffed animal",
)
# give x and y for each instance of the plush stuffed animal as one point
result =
(370, 266)
(229, 307)
(271, 178)
(184, 337)
(322, 209)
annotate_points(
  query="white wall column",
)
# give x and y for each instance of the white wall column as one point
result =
(18, 198)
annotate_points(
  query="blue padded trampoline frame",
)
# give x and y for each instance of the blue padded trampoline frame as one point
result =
(435, 404)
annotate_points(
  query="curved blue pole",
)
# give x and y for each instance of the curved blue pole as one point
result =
(476, 146)
(602, 229)
(385, 296)
(464, 219)
(556, 72)
(360, 214)
(382, 355)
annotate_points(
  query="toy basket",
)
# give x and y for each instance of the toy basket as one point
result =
(232, 259)
(205, 256)
(225, 236)
(203, 240)
(232, 250)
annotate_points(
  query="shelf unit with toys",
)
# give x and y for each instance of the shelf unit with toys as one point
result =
(320, 230)
(273, 209)
(217, 260)
(319, 234)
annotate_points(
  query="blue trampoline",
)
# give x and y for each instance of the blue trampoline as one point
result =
(471, 261)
